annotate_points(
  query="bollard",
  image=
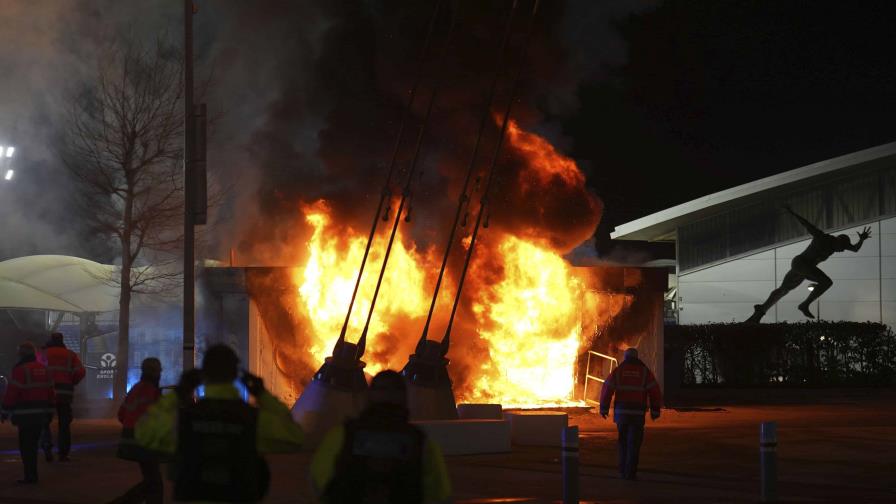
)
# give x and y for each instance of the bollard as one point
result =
(570, 462)
(768, 462)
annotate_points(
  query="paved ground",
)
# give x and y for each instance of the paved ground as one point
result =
(830, 451)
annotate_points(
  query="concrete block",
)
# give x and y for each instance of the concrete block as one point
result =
(468, 437)
(480, 411)
(536, 428)
(431, 403)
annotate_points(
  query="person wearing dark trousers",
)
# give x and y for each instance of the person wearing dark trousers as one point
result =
(633, 384)
(141, 396)
(29, 403)
(66, 371)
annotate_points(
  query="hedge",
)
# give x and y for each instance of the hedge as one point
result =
(802, 354)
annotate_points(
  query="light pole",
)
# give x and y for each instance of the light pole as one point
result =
(6, 160)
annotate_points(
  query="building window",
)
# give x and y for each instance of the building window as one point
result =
(866, 193)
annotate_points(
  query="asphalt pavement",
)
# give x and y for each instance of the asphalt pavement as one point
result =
(837, 450)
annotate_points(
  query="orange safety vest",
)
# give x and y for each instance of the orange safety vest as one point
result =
(66, 370)
(29, 396)
(633, 384)
(141, 396)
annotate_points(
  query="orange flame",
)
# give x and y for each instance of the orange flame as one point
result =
(326, 281)
(530, 321)
(545, 162)
(526, 300)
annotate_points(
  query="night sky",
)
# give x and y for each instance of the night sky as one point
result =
(716, 94)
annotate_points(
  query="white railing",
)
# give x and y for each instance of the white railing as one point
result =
(589, 377)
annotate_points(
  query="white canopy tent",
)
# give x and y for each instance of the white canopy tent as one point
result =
(58, 283)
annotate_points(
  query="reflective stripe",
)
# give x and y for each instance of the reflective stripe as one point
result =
(69, 366)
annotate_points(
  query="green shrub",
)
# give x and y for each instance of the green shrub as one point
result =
(801, 354)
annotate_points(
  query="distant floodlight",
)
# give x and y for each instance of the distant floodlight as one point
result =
(9, 151)
(8, 175)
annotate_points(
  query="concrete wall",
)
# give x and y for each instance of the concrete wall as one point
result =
(226, 314)
(864, 284)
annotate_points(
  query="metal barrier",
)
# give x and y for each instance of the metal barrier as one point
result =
(589, 377)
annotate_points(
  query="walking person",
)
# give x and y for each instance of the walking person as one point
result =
(141, 396)
(29, 403)
(380, 457)
(66, 371)
(218, 440)
(633, 384)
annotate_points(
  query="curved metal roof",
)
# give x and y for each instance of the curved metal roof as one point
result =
(661, 225)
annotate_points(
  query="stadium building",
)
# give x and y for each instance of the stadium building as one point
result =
(734, 247)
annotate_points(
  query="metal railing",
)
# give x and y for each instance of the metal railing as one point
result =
(589, 377)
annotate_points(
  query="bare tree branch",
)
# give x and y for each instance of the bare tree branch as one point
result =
(123, 146)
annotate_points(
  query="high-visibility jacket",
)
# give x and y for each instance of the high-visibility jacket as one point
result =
(217, 459)
(66, 370)
(351, 457)
(29, 397)
(633, 384)
(276, 431)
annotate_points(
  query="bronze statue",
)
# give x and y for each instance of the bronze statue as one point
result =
(805, 266)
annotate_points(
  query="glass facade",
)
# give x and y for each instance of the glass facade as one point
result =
(860, 194)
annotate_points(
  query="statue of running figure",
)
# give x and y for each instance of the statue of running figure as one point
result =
(805, 266)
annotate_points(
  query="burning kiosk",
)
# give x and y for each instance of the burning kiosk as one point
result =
(615, 307)
(514, 335)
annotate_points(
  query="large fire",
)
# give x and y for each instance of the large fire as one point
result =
(326, 281)
(530, 320)
(525, 298)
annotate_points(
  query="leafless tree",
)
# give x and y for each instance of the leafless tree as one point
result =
(123, 144)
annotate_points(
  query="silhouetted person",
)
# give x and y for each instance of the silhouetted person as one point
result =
(141, 396)
(633, 384)
(218, 440)
(380, 458)
(29, 401)
(66, 371)
(805, 266)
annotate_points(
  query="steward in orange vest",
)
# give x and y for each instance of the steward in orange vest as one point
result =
(66, 370)
(141, 396)
(29, 401)
(633, 384)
